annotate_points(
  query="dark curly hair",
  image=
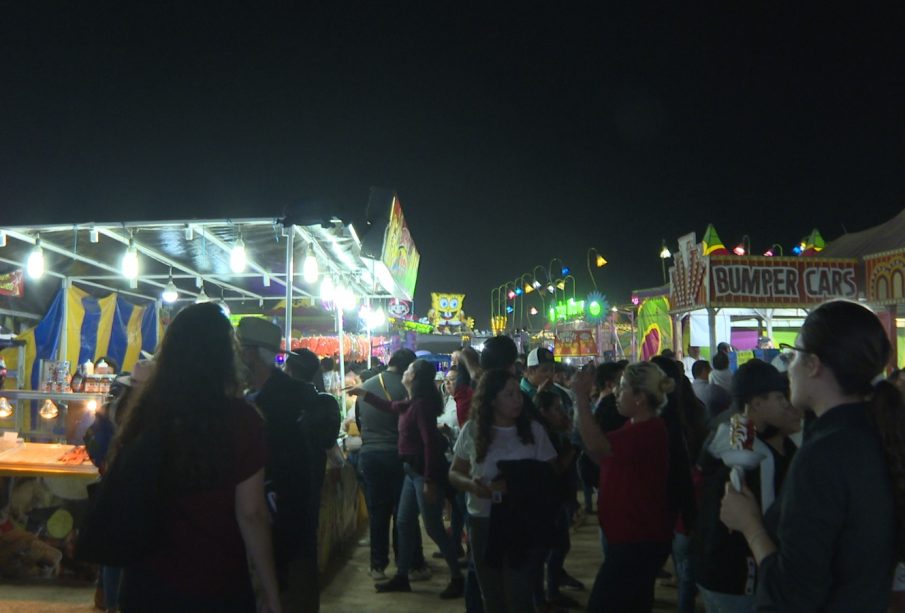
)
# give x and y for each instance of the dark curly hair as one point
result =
(492, 383)
(851, 341)
(194, 379)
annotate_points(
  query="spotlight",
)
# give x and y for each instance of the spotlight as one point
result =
(35, 264)
(739, 249)
(600, 261)
(664, 252)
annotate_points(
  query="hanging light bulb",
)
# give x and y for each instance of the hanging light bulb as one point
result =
(130, 261)
(327, 289)
(49, 410)
(309, 267)
(237, 258)
(202, 297)
(6, 409)
(93, 235)
(91, 405)
(170, 293)
(345, 298)
(664, 252)
(35, 264)
(189, 232)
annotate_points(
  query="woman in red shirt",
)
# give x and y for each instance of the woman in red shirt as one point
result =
(214, 514)
(633, 507)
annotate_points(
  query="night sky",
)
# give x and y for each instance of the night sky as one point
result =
(511, 137)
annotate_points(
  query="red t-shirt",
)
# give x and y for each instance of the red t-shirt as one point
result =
(201, 550)
(633, 505)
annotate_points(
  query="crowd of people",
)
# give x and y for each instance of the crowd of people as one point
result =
(503, 446)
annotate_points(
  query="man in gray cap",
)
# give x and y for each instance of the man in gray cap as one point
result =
(289, 406)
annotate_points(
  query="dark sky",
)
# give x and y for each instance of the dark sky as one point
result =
(512, 137)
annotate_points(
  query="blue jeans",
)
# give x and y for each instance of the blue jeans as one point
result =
(684, 574)
(383, 475)
(457, 513)
(715, 602)
(111, 577)
(411, 503)
(557, 554)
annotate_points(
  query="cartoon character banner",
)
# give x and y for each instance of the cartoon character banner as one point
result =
(575, 343)
(401, 309)
(447, 314)
(399, 253)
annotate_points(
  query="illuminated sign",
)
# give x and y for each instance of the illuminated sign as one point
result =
(561, 311)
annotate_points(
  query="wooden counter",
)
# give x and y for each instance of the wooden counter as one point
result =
(42, 460)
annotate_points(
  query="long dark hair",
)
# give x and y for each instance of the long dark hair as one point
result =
(185, 397)
(467, 357)
(424, 386)
(850, 340)
(492, 383)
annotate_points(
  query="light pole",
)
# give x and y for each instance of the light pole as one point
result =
(664, 255)
(599, 262)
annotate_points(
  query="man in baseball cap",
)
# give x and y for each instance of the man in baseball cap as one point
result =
(540, 368)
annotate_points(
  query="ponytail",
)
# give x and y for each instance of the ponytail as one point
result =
(887, 412)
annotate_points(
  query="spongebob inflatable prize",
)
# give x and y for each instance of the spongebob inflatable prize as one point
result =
(446, 313)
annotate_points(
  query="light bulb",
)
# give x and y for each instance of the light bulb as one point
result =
(130, 262)
(6, 409)
(91, 405)
(48, 410)
(309, 267)
(170, 293)
(664, 253)
(202, 297)
(327, 290)
(35, 264)
(237, 259)
(93, 235)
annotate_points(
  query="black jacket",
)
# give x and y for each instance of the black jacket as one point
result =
(833, 523)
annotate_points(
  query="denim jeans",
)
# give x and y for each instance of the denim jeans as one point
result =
(411, 503)
(457, 513)
(473, 602)
(715, 602)
(508, 589)
(111, 576)
(625, 581)
(383, 475)
(684, 573)
(556, 557)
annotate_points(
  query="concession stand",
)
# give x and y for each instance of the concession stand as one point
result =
(108, 291)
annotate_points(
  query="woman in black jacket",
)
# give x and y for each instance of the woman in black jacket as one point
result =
(831, 539)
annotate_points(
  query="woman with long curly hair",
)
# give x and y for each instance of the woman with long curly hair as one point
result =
(634, 509)
(425, 474)
(498, 429)
(211, 476)
(831, 539)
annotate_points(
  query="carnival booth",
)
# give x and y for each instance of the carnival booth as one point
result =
(882, 250)
(108, 290)
(713, 291)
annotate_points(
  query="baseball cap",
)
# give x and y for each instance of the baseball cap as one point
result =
(257, 332)
(539, 356)
(756, 377)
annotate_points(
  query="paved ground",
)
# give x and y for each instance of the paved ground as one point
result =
(350, 590)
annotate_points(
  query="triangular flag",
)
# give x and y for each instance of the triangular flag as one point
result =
(712, 243)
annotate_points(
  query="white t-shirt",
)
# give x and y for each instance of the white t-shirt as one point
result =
(505, 445)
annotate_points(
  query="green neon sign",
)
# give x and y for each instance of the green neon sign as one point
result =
(573, 309)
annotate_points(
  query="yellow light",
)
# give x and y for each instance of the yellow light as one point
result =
(528, 288)
(561, 285)
(91, 405)
(6, 409)
(601, 262)
(49, 410)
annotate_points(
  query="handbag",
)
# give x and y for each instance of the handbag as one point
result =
(124, 511)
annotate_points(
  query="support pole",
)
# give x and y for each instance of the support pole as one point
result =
(63, 345)
(711, 324)
(370, 350)
(342, 351)
(289, 234)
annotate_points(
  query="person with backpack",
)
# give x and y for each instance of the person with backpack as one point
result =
(295, 464)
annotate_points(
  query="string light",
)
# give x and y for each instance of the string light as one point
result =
(170, 293)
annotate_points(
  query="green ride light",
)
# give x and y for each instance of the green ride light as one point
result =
(552, 314)
(594, 309)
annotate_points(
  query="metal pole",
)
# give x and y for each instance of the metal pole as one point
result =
(342, 351)
(63, 345)
(368, 326)
(290, 248)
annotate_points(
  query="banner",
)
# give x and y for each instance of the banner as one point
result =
(654, 326)
(12, 284)
(401, 309)
(399, 253)
(575, 343)
(779, 282)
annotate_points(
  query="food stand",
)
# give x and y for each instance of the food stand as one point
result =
(118, 283)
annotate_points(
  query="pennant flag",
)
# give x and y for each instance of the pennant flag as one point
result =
(814, 243)
(712, 243)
